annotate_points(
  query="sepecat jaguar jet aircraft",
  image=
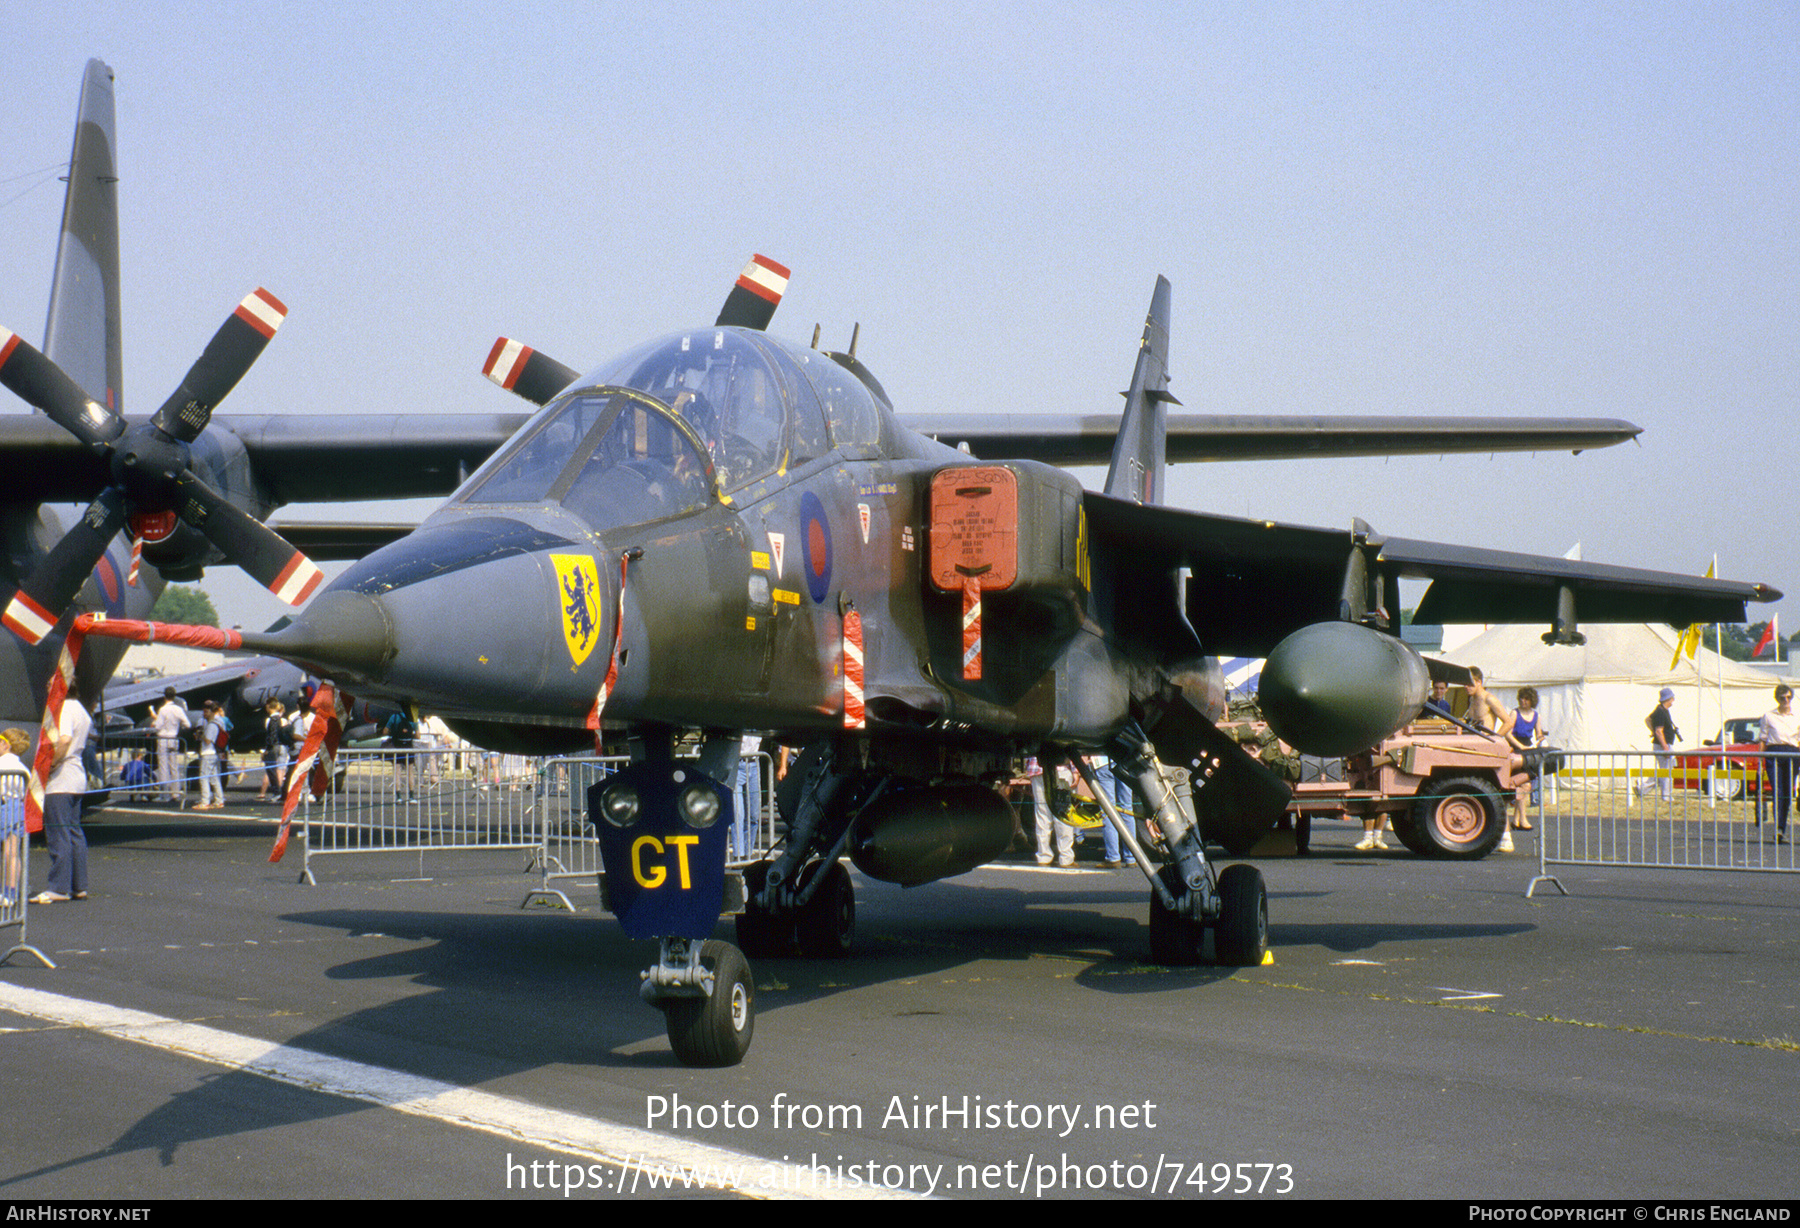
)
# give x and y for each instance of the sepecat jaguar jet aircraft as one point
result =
(722, 533)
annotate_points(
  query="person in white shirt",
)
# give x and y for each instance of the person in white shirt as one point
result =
(212, 788)
(14, 784)
(62, 805)
(169, 721)
(1780, 738)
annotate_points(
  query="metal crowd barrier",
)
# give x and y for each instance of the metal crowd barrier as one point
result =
(15, 864)
(1685, 810)
(420, 801)
(429, 800)
(571, 851)
(241, 768)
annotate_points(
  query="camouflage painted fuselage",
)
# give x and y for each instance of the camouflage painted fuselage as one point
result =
(749, 530)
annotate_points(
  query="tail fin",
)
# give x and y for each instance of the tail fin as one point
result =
(1138, 456)
(82, 333)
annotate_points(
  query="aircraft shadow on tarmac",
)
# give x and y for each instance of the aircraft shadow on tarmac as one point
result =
(517, 991)
(220, 1105)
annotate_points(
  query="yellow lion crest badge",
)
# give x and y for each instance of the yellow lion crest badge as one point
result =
(579, 586)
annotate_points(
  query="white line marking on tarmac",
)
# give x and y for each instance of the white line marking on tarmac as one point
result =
(530, 1124)
(1464, 995)
(1018, 869)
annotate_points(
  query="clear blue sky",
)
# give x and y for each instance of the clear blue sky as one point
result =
(1470, 209)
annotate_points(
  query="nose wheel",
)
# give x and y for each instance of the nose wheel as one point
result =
(714, 1026)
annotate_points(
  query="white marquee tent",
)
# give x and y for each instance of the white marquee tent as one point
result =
(1595, 696)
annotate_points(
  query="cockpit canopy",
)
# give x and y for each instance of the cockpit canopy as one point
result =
(667, 426)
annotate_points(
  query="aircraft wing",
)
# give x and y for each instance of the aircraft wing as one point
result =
(311, 458)
(216, 682)
(1088, 439)
(325, 458)
(45, 464)
(1254, 582)
(340, 539)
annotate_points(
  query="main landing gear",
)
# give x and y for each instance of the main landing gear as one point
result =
(802, 901)
(1187, 898)
(816, 918)
(1240, 924)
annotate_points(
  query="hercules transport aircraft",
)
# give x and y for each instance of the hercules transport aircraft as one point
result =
(188, 486)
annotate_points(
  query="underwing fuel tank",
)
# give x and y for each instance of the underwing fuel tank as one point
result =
(1337, 688)
(915, 836)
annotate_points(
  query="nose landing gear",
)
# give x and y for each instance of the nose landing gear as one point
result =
(708, 1005)
(663, 828)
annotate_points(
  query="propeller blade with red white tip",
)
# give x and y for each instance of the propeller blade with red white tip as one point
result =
(52, 586)
(752, 301)
(247, 541)
(518, 368)
(239, 342)
(43, 385)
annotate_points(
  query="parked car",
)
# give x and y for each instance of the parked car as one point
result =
(1716, 770)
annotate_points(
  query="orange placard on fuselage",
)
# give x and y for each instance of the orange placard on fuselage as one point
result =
(974, 518)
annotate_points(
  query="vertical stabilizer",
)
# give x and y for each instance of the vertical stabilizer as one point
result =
(82, 333)
(1137, 460)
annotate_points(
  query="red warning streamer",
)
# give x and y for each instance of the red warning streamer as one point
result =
(612, 660)
(58, 692)
(853, 671)
(313, 767)
(971, 628)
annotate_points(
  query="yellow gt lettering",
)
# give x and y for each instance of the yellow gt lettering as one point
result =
(650, 877)
(657, 874)
(682, 844)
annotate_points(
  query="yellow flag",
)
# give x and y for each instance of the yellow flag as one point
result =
(1689, 640)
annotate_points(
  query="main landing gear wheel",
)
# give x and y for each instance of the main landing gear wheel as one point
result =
(1459, 820)
(1176, 936)
(715, 1030)
(1241, 935)
(761, 933)
(826, 927)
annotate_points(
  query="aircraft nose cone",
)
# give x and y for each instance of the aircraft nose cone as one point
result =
(341, 634)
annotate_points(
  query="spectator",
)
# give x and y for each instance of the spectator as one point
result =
(62, 804)
(1780, 738)
(1663, 735)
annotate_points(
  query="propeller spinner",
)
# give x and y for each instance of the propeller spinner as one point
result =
(152, 474)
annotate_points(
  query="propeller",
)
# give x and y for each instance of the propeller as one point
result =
(518, 368)
(753, 300)
(151, 469)
(538, 377)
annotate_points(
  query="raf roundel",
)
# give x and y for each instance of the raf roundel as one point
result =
(815, 547)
